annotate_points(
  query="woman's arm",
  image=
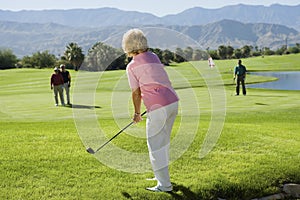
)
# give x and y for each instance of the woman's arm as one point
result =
(137, 101)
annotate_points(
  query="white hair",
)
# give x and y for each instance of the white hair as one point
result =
(134, 41)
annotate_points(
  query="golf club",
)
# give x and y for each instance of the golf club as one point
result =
(234, 85)
(91, 151)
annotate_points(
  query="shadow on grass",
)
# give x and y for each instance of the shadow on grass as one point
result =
(261, 104)
(82, 106)
(126, 195)
(227, 190)
(179, 192)
(235, 191)
(253, 95)
(182, 192)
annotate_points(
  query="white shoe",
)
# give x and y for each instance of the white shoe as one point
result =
(56, 104)
(160, 189)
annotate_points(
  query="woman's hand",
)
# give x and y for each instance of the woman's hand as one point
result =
(137, 117)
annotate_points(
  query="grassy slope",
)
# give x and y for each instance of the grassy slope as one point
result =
(42, 156)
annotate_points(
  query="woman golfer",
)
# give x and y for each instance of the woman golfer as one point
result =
(149, 82)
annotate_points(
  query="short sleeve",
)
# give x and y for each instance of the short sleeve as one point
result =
(132, 79)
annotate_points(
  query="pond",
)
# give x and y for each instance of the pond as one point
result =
(286, 80)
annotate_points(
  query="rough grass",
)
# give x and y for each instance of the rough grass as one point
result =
(42, 156)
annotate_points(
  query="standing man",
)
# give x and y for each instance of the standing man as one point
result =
(150, 83)
(67, 81)
(56, 83)
(240, 76)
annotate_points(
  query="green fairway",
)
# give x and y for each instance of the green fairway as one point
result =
(43, 156)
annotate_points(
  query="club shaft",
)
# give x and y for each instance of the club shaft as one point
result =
(118, 133)
(114, 136)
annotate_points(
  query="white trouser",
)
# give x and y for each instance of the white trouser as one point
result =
(158, 129)
(67, 89)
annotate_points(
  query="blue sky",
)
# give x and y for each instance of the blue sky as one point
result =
(156, 7)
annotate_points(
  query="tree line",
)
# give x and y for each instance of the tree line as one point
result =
(103, 57)
(73, 57)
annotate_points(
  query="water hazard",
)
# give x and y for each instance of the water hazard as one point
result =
(286, 80)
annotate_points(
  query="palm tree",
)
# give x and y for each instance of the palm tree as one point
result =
(222, 51)
(74, 55)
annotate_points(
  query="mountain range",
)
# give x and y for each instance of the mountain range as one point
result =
(26, 32)
(274, 14)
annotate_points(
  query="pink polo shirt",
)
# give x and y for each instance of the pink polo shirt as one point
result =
(145, 71)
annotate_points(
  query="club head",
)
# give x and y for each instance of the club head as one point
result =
(90, 150)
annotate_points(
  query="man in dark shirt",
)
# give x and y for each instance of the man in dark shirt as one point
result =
(240, 74)
(67, 82)
(56, 83)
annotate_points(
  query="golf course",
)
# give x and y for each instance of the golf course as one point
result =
(43, 147)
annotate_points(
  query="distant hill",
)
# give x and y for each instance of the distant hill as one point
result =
(81, 17)
(28, 38)
(275, 14)
(237, 34)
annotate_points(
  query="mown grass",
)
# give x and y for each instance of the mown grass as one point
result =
(42, 156)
